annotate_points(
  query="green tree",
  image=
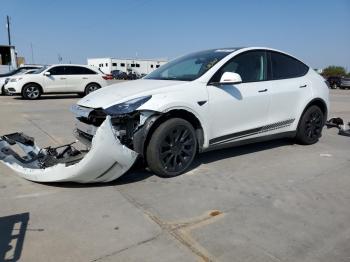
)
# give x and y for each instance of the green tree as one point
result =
(334, 71)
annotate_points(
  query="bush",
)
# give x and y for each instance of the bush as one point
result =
(334, 71)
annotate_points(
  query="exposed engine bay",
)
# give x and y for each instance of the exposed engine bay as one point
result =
(130, 128)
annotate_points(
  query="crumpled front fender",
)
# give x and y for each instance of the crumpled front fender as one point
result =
(107, 160)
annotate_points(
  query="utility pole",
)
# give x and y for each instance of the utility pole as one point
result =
(8, 29)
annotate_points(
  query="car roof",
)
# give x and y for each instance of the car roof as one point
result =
(247, 48)
(70, 65)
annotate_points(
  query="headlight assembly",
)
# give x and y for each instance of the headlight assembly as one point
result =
(15, 79)
(127, 107)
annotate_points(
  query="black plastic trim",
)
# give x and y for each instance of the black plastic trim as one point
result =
(288, 134)
(230, 137)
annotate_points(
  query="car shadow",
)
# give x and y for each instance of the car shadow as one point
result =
(139, 172)
(51, 97)
(12, 233)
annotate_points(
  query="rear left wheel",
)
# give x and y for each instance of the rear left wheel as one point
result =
(91, 88)
(172, 148)
(310, 126)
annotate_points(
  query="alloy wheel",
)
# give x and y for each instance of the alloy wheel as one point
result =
(32, 92)
(314, 125)
(177, 149)
(92, 88)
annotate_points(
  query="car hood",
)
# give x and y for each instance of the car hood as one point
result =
(120, 92)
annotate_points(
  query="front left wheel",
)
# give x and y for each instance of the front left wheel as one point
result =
(172, 148)
(31, 91)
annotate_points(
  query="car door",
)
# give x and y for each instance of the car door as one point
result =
(239, 111)
(56, 81)
(289, 89)
(78, 77)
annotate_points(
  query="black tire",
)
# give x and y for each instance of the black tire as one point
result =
(310, 126)
(172, 148)
(31, 91)
(91, 88)
(2, 93)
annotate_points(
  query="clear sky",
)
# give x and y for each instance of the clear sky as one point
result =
(316, 31)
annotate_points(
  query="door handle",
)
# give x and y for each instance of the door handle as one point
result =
(302, 86)
(62, 78)
(264, 90)
(85, 78)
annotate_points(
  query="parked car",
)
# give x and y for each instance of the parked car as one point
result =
(132, 75)
(202, 101)
(119, 75)
(20, 70)
(338, 81)
(57, 79)
(7, 79)
(344, 82)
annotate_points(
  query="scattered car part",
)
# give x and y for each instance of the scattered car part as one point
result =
(338, 123)
(106, 160)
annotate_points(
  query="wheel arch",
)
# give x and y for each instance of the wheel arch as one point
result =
(92, 83)
(143, 136)
(30, 83)
(316, 102)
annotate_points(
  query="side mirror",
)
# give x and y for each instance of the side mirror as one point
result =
(229, 78)
(47, 73)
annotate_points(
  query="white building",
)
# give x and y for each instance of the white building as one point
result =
(141, 66)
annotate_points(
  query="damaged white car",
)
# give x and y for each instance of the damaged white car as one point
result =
(202, 101)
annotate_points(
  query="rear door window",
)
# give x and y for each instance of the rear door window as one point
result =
(284, 66)
(79, 70)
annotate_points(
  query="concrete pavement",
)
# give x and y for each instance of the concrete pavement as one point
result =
(273, 201)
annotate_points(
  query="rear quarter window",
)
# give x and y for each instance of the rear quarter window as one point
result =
(77, 70)
(284, 66)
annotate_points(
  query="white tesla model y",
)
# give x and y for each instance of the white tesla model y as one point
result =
(208, 100)
(198, 102)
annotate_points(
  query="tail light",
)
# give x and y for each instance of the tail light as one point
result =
(107, 77)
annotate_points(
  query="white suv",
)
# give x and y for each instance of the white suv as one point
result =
(202, 101)
(208, 100)
(57, 79)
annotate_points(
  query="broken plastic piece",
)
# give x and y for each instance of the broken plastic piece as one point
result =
(107, 159)
(335, 122)
(338, 123)
(344, 132)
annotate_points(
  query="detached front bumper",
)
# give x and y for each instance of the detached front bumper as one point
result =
(106, 160)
